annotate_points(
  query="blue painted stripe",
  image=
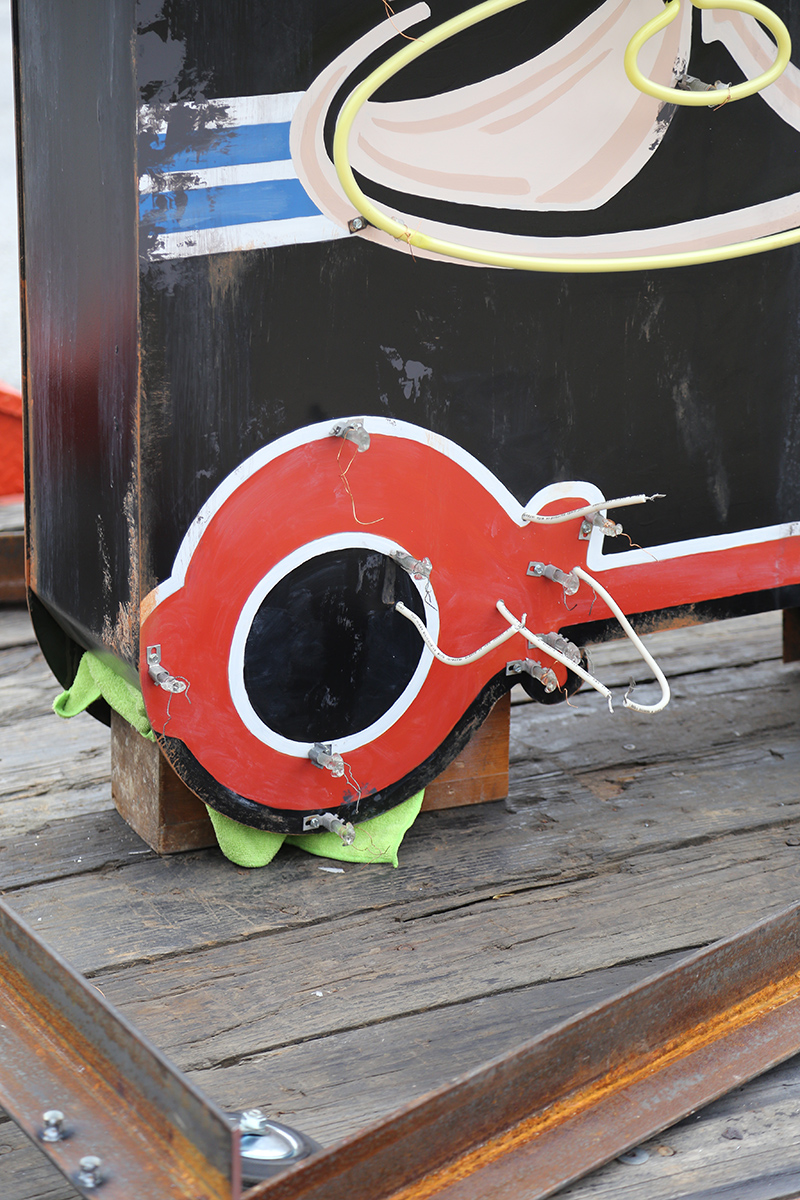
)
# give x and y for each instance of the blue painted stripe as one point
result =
(225, 148)
(237, 204)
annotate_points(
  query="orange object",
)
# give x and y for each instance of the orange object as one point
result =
(11, 480)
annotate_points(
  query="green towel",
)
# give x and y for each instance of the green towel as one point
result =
(96, 677)
(376, 840)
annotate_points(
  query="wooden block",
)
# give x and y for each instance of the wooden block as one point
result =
(170, 818)
(480, 772)
(12, 567)
(151, 797)
(791, 635)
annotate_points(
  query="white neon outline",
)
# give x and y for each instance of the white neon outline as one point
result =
(241, 701)
(596, 560)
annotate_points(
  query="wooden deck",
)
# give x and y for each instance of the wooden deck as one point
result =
(329, 996)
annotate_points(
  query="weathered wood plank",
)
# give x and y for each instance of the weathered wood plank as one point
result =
(51, 769)
(77, 845)
(334, 1085)
(567, 829)
(499, 918)
(243, 997)
(15, 627)
(571, 816)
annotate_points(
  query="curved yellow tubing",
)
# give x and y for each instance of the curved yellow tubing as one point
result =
(714, 95)
(521, 262)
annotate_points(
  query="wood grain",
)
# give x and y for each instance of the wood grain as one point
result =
(331, 998)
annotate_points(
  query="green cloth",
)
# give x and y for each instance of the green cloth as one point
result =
(96, 677)
(376, 841)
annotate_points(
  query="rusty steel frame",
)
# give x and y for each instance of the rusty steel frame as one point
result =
(64, 1047)
(524, 1124)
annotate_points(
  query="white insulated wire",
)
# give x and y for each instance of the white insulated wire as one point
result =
(516, 626)
(637, 641)
(466, 659)
(601, 506)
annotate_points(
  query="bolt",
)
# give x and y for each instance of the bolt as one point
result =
(357, 224)
(635, 1157)
(253, 1121)
(53, 1121)
(89, 1171)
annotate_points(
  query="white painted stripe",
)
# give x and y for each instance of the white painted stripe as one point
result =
(255, 236)
(217, 176)
(259, 110)
(669, 550)
(228, 112)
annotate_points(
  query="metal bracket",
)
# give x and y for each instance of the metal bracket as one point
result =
(333, 824)
(557, 642)
(353, 431)
(607, 527)
(160, 675)
(569, 582)
(322, 756)
(420, 568)
(529, 666)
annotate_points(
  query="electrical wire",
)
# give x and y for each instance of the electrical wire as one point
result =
(712, 96)
(523, 262)
(637, 642)
(448, 659)
(516, 626)
(601, 505)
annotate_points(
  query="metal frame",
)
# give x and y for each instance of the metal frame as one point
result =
(64, 1047)
(524, 1124)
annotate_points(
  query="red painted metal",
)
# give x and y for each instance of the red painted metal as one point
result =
(479, 555)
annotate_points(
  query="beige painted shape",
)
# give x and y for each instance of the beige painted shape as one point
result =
(318, 176)
(563, 131)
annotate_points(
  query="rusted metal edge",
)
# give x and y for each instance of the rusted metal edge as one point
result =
(63, 1047)
(540, 1117)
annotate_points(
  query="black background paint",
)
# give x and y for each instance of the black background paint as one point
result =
(682, 381)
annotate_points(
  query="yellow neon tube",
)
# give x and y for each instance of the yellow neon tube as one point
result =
(521, 262)
(714, 95)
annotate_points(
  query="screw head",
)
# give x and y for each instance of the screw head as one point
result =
(357, 224)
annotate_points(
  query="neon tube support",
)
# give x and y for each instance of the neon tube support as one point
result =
(713, 96)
